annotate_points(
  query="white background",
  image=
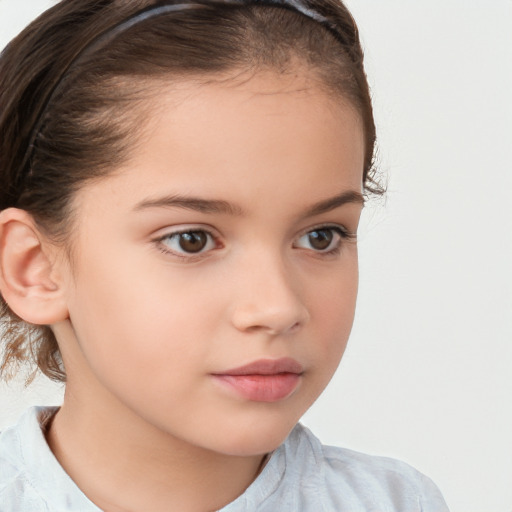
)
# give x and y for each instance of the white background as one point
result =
(427, 376)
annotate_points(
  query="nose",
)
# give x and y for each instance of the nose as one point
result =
(268, 299)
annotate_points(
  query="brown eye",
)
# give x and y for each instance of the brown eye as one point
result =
(193, 241)
(320, 239)
(188, 242)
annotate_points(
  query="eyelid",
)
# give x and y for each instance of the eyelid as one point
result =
(343, 231)
(344, 234)
(169, 232)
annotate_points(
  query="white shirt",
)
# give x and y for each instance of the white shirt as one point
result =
(302, 475)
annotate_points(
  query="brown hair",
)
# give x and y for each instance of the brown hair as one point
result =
(86, 128)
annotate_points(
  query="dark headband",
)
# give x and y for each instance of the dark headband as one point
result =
(154, 11)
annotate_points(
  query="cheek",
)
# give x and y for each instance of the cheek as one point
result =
(124, 322)
(134, 319)
(333, 316)
(143, 353)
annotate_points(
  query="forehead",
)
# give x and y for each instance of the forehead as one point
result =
(268, 132)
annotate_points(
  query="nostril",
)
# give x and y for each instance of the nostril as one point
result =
(274, 322)
(269, 301)
(295, 327)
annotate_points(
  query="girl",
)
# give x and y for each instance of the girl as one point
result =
(181, 188)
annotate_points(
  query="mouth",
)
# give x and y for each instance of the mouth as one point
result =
(265, 380)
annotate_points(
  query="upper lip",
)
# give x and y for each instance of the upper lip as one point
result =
(267, 367)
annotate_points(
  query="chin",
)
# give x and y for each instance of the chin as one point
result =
(250, 440)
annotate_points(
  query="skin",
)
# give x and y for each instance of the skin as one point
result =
(144, 423)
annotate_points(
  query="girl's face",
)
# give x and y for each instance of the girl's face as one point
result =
(226, 240)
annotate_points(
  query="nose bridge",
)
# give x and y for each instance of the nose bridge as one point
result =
(268, 295)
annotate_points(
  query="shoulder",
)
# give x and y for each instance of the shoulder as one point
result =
(31, 479)
(17, 492)
(373, 482)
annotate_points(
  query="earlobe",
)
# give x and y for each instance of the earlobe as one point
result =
(28, 281)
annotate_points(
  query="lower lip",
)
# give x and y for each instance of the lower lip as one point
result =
(261, 388)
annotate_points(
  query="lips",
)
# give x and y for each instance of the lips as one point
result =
(265, 380)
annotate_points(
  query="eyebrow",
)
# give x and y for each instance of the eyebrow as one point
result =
(191, 203)
(349, 196)
(219, 206)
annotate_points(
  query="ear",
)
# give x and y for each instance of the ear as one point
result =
(29, 282)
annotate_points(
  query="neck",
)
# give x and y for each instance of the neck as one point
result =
(122, 463)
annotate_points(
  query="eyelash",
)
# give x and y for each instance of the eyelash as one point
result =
(184, 255)
(343, 233)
